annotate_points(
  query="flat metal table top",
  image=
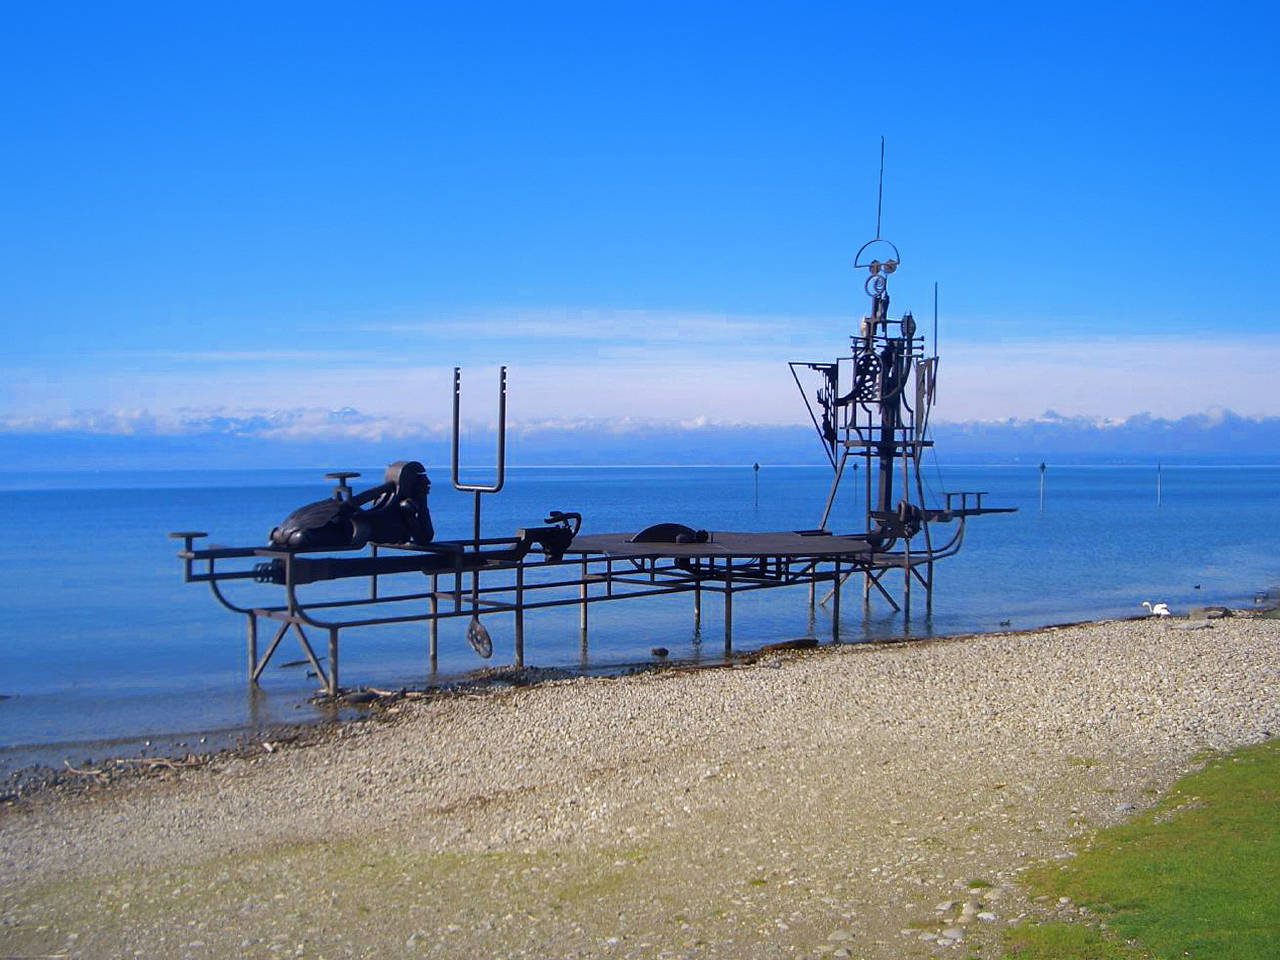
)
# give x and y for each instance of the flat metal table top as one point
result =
(784, 543)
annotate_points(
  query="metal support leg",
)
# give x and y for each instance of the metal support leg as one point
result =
(906, 582)
(253, 646)
(333, 661)
(728, 607)
(928, 589)
(266, 658)
(582, 592)
(433, 644)
(697, 605)
(520, 615)
(835, 604)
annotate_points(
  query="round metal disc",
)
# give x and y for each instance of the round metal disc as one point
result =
(479, 639)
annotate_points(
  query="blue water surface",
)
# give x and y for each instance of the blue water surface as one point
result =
(101, 640)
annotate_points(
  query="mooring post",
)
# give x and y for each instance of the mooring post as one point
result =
(928, 589)
(697, 603)
(835, 603)
(253, 645)
(520, 615)
(333, 661)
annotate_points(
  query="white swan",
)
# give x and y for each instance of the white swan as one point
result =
(1157, 610)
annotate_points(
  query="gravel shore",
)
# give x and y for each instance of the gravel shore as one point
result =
(865, 801)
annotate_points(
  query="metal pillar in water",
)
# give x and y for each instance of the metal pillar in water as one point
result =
(519, 616)
(728, 606)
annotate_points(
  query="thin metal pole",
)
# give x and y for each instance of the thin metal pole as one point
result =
(835, 486)
(880, 192)
(835, 603)
(935, 318)
(866, 571)
(728, 605)
(333, 661)
(1042, 487)
(253, 644)
(582, 592)
(1158, 484)
(906, 542)
(433, 644)
(520, 615)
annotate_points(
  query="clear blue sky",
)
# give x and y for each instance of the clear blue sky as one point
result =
(244, 206)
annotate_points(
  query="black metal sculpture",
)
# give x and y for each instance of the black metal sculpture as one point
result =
(872, 404)
(396, 513)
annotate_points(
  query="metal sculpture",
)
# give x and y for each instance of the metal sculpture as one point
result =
(872, 405)
(396, 512)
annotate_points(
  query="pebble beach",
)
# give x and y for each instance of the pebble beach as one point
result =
(874, 800)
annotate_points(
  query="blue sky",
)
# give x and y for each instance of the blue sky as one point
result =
(645, 210)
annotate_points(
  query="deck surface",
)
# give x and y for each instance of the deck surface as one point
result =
(786, 544)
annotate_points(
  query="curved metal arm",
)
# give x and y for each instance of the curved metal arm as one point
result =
(502, 434)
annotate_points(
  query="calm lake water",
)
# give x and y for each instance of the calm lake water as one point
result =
(103, 642)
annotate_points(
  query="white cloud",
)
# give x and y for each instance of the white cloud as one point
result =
(647, 365)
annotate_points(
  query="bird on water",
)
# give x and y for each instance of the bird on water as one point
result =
(1157, 610)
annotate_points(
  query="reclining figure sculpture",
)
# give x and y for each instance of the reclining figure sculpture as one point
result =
(396, 513)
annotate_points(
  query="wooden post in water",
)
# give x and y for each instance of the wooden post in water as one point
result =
(1158, 490)
(1042, 486)
(755, 469)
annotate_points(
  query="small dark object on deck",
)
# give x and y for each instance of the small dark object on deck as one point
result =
(670, 533)
(660, 651)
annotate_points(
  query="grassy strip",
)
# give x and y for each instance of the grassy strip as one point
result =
(1196, 876)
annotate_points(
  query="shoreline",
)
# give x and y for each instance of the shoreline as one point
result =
(376, 705)
(50, 766)
(799, 805)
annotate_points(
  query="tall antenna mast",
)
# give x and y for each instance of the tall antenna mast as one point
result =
(880, 192)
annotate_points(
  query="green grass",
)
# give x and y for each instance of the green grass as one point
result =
(1066, 941)
(1196, 876)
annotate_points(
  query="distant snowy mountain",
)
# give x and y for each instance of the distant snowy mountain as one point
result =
(332, 438)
